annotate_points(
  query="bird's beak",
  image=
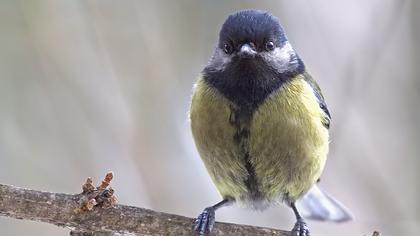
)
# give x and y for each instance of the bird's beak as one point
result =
(247, 51)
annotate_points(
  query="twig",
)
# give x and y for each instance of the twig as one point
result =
(67, 210)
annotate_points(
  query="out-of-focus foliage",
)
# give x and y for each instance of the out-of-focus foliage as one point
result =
(91, 86)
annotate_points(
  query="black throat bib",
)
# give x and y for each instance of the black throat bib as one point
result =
(247, 83)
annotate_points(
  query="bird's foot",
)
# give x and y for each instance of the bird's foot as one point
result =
(300, 228)
(205, 221)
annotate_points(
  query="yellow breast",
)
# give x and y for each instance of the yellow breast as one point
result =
(213, 133)
(287, 142)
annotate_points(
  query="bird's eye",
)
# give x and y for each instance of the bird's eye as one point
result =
(227, 48)
(269, 46)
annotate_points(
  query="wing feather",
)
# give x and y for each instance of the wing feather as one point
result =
(317, 91)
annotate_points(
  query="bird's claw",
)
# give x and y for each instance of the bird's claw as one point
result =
(300, 228)
(205, 221)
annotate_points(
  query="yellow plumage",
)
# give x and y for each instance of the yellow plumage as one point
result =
(287, 143)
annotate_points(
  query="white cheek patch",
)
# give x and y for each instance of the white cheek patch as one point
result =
(226, 59)
(284, 57)
(220, 60)
(283, 53)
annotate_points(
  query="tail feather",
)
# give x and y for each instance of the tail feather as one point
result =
(319, 205)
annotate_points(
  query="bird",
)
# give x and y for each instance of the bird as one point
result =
(261, 125)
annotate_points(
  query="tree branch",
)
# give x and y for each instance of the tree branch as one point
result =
(65, 210)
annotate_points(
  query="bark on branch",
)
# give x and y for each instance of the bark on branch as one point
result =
(65, 210)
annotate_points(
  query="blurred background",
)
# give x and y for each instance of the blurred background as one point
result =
(92, 86)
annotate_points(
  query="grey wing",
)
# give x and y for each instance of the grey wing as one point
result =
(317, 91)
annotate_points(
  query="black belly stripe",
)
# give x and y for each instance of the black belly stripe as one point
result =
(241, 138)
(251, 182)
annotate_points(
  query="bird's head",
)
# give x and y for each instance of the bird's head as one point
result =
(252, 38)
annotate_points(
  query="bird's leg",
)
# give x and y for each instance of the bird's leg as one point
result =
(300, 228)
(205, 221)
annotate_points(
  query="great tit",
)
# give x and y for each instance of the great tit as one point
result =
(260, 124)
